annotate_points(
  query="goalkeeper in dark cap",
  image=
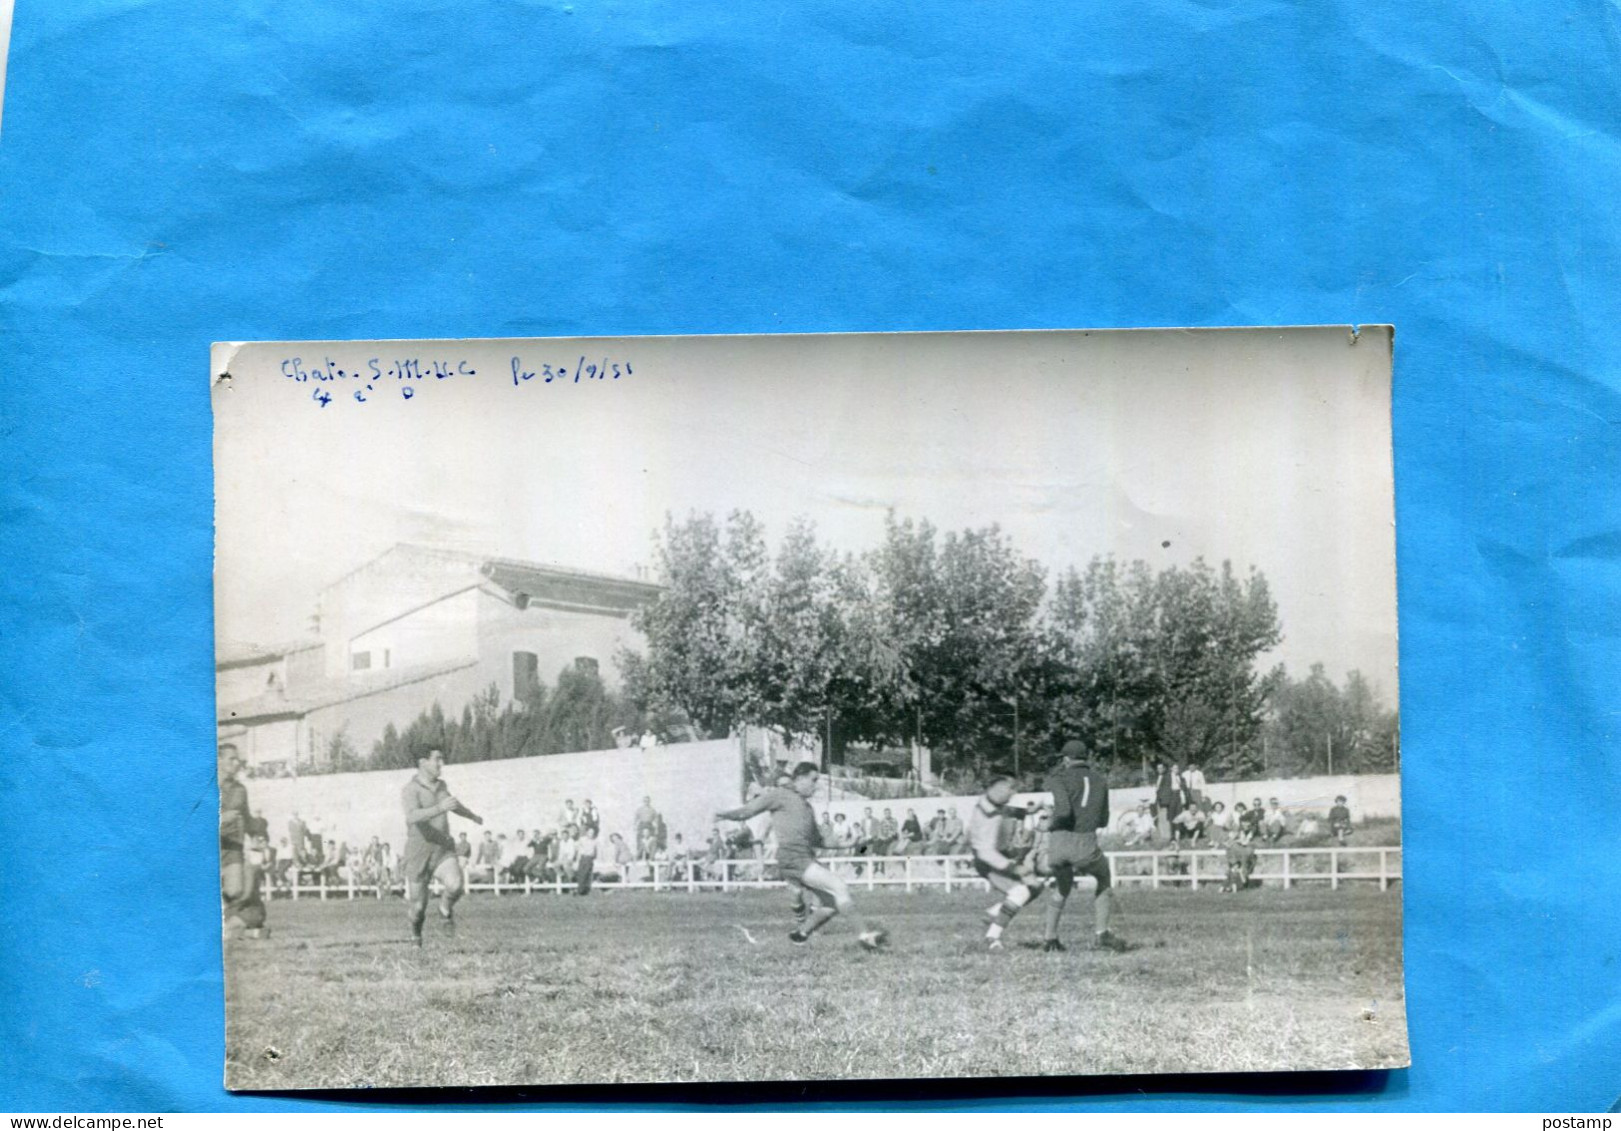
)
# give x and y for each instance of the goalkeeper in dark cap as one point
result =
(1080, 810)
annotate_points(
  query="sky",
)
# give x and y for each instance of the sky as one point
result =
(1268, 448)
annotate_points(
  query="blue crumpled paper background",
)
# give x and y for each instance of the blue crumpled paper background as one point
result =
(176, 173)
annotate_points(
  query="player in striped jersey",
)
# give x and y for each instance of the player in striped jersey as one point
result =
(988, 838)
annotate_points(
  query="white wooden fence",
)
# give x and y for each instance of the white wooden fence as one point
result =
(1287, 867)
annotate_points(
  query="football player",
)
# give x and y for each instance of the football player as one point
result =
(794, 823)
(987, 841)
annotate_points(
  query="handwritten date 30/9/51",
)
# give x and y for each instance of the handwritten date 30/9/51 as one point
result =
(382, 376)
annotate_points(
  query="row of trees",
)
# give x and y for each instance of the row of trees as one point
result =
(579, 713)
(956, 642)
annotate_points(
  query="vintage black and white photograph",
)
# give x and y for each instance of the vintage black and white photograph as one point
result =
(807, 707)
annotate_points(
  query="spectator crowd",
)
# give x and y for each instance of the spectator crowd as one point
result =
(571, 849)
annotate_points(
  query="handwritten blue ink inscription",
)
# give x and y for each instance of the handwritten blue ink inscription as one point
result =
(406, 376)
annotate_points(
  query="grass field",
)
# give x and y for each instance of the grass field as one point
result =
(643, 987)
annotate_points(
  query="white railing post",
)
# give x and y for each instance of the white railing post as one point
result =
(726, 873)
(1153, 861)
(1286, 855)
(870, 871)
(1334, 869)
(1384, 876)
(692, 883)
(350, 880)
(907, 866)
(946, 863)
(1193, 870)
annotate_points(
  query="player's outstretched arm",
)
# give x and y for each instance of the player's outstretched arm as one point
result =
(461, 810)
(744, 812)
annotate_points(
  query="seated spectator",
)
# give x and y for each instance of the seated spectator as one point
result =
(621, 857)
(464, 852)
(1339, 820)
(659, 866)
(517, 865)
(866, 832)
(952, 833)
(714, 853)
(679, 853)
(567, 864)
(1137, 827)
(1189, 826)
(541, 849)
(552, 868)
(333, 866)
(842, 840)
(485, 861)
(912, 828)
(1220, 826)
(824, 829)
(1252, 817)
(283, 862)
(1309, 827)
(888, 830)
(935, 836)
(1276, 823)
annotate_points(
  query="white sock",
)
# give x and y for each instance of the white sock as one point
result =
(995, 931)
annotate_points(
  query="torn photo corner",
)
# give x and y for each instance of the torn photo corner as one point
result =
(812, 707)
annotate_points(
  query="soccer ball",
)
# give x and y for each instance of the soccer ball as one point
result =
(873, 938)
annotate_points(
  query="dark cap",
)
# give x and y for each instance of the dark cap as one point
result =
(1074, 748)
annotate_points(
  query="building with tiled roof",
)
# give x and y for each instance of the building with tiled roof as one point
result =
(415, 626)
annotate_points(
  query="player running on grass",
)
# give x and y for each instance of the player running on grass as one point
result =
(1015, 879)
(1080, 809)
(429, 851)
(797, 838)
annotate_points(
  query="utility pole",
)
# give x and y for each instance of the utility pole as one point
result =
(1330, 755)
(1015, 738)
(827, 755)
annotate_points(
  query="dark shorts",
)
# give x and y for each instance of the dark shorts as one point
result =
(793, 865)
(421, 860)
(986, 871)
(1077, 854)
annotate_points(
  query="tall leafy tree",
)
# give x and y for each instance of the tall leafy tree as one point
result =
(692, 629)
